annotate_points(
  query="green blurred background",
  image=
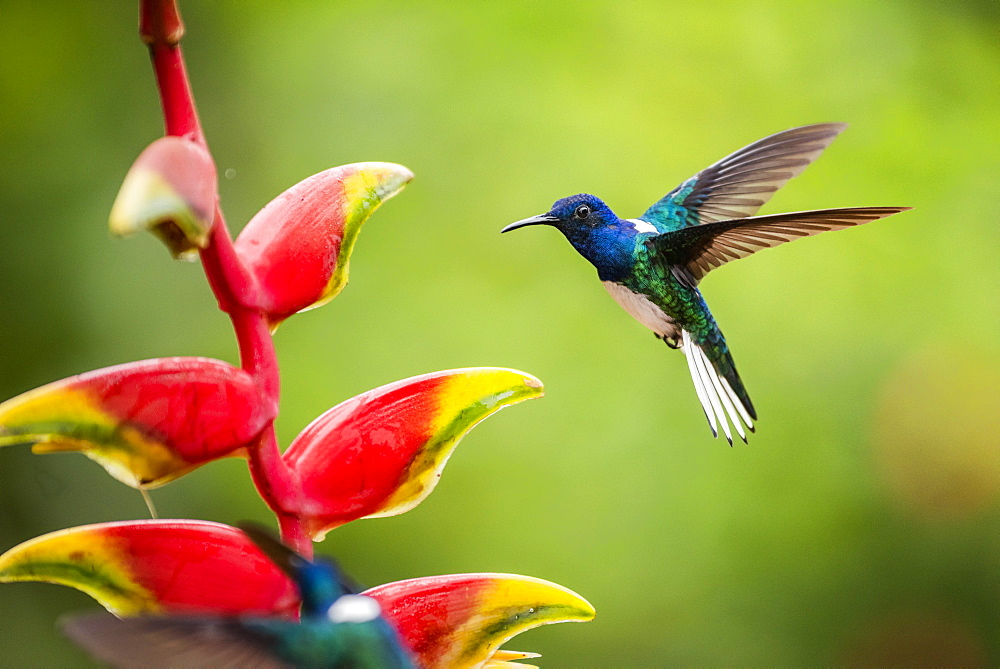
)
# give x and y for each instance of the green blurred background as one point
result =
(861, 524)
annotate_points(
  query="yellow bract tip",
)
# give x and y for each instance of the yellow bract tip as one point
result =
(514, 604)
(364, 190)
(80, 558)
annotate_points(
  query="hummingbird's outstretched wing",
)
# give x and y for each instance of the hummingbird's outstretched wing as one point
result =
(739, 184)
(696, 251)
(154, 641)
(691, 253)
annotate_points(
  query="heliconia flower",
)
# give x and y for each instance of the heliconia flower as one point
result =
(170, 190)
(381, 453)
(461, 620)
(299, 245)
(146, 422)
(157, 566)
(188, 567)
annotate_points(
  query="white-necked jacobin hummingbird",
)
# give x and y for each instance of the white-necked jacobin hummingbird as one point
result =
(338, 628)
(651, 265)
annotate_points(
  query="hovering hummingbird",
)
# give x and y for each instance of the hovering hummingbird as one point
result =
(651, 265)
(338, 628)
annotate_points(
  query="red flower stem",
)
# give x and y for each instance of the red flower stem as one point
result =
(161, 28)
(265, 460)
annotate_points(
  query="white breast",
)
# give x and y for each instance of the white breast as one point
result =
(642, 310)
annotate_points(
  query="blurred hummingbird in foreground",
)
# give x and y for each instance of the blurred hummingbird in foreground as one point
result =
(652, 265)
(338, 628)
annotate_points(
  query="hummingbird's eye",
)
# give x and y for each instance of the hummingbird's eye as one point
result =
(582, 212)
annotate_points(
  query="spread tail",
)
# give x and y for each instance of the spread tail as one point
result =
(719, 388)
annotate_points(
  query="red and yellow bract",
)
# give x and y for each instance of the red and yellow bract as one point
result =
(298, 247)
(170, 190)
(157, 566)
(381, 453)
(146, 422)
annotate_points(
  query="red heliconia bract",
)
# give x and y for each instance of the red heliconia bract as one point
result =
(171, 191)
(298, 246)
(158, 566)
(381, 453)
(146, 422)
(460, 620)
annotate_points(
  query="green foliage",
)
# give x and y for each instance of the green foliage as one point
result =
(820, 543)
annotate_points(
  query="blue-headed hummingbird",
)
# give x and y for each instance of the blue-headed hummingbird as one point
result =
(651, 265)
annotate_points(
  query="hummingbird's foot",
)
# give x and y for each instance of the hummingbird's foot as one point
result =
(668, 340)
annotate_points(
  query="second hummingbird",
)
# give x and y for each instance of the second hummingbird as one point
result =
(652, 265)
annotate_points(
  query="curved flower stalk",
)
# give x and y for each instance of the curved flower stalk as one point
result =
(196, 567)
(149, 422)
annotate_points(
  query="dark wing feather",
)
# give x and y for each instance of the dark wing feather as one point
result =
(154, 642)
(284, 557)
(739, 184)
(700, 249)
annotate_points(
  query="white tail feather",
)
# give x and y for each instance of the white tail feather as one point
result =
(723, 395)
(718, 400)
(738, 402)
(689, 349)
(713, 396)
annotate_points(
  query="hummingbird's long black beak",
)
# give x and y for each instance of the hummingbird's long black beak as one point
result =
(541, 219)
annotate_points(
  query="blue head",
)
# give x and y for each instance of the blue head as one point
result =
(597, 234)
(320, 585)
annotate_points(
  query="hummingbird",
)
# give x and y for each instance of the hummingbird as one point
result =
(652, 265)
(338, 628)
